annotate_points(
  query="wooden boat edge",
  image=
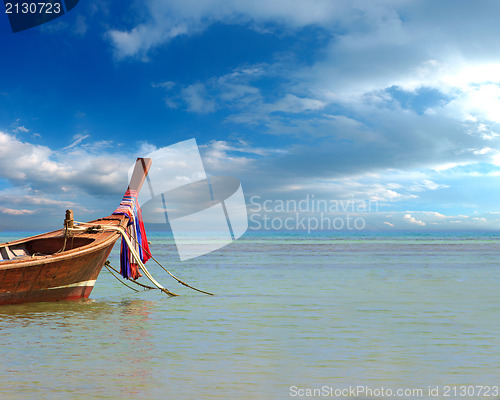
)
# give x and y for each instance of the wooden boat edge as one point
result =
(98, 243)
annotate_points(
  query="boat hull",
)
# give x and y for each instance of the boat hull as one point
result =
(61, 275)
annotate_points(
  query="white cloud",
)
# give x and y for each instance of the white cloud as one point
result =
(32, 200)
(21, 128)
(78, 177)
(293, 104)
(11, 211)
(374, 46)
(222, 147)
(43, 182)
(77, 139)
(427, 184)
(430, 220)
(233, 91)
(197, 99)
(344, 95)
(17, 158)
(476, 101)
(412, 220)
(140, 39)
(166, 19)
(39, 167)
(126, 43)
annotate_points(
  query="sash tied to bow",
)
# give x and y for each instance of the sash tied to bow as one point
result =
(129, 206)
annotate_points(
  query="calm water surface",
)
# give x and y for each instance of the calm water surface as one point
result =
(297, 311)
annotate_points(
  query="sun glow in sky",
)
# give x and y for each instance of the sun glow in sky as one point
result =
(389, 101)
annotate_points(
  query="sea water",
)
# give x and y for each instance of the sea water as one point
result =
(367, 315)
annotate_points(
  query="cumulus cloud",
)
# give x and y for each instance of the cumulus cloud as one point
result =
(387, 92)
(412, 220)
(40, 181)
(55, 181)
(263, 174)
(436, 221)
(11, 211)
(43, 182)
(41, 168)
(410, 87)
(373, 47)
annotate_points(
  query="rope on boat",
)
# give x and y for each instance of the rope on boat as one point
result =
(173, 276)
(149, 253)
(139, 261)
(111, 269)
(94, 229)
(108, 264)
(124, 234)
(116, 274)
(141, 264)
(125, 237)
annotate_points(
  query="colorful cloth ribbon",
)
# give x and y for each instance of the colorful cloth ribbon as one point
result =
(129, 206)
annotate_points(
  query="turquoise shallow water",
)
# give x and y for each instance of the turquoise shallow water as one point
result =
(292, 313)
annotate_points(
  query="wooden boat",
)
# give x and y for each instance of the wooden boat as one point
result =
(63, 264)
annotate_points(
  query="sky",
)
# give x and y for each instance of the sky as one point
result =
(393, 103)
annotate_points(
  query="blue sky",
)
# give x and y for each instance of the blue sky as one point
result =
(388, 101)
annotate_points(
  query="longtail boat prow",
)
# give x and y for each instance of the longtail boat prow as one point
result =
(65, 264)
